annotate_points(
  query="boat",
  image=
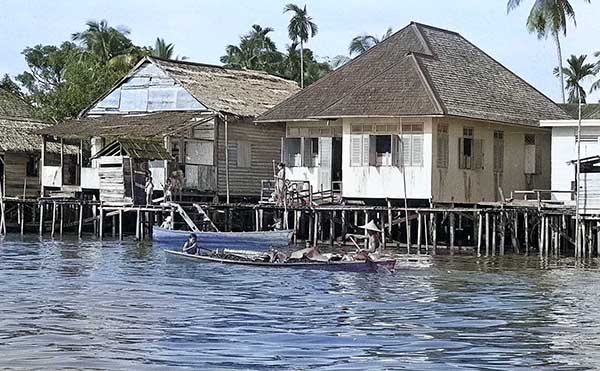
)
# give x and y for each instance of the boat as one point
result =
(248, 258)
(254, 241)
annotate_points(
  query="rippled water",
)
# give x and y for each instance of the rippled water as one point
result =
(117, 305)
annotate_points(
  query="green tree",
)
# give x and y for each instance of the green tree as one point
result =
(7, 84)
(300, 28)
(313, 70)
(364, 42)
(104, 41)
(162, 49)
(549, 18)
(256, 51)
(576, 72)
(596, 85)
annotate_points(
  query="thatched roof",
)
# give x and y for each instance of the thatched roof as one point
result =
(13, 106)
(589, 111)
(239, 92)
(139, 149)
(132, 126)
(420, 70)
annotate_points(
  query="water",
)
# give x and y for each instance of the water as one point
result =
(114, 305)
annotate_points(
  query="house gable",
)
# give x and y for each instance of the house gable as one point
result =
(146, 89)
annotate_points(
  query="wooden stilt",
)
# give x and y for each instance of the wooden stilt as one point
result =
(598, 239)
(101, 224)
(366, 241)
(425, 219)
(316, 230)
(541, 236)
(502, 232)
(494, 222)
(138, 234)
(95, 216)
(452, 226)
(80, 226)
(526, 228)
(62, 217)
(121, 224)
(434, 231)
(419, 228)
(331, 228)
(42, 207)
(22, 219)
(487, 234)
(515, 233)
(479, 233)
(53, 218)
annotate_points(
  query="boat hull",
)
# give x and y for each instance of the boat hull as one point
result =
(254, 241)
(339, 266)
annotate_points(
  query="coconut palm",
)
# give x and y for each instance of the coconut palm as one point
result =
(596, 85)
(576, 72)
(300, 28)
(549, 18)
(104, 41)
(256, 51)
(162, 49)
(364, 42)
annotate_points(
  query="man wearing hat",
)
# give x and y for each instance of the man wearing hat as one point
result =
(373, 241)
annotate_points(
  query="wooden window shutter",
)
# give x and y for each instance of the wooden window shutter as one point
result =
(417, 150)
(306, 152)
(442, 147)
(396, 154)
(366, 150)
(356, 150)
(244, 154)
(461, 153)
(406, 149)
(477, 154)
(284, 151)
(372, 157)
(498, 151)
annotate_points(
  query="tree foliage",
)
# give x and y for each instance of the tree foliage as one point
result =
(364, 42)
(576, 72)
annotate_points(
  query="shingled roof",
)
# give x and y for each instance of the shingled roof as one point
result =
(131, 126)
(235, 91)
(420, 70)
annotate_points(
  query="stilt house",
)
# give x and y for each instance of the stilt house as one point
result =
(424, 115)
(19, 148)
(564, 157)
(170, 116)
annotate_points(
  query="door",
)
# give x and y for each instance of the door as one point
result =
(336, 162)
(325, 152)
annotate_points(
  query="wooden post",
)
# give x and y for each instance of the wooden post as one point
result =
(62, 217)
(433, 217)
(426, 233)
(296, 229)
(331, 228)
(22, 219)
(487, 234)
(598, 238)
(316, 229)
(344, 224)
(101, 224)
(114, 226)
(515, 233)
(366, 242)
(137, 224)
(541, 236)
(42, 206)
(502, 232)
(494, 222)
(311, 217)
(526, 227)
(79, 230)
(120, 224)
(547, 236)
(419, 227)
(256, 217)
(452, 226)
(479, 232)
(53, 218)
(95, 216)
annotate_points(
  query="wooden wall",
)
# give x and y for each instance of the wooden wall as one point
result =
(15, 173)
(260, 142)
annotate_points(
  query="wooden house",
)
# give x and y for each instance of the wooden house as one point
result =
(424, 115)
(201, 115)
(20, 148)
(564, 156)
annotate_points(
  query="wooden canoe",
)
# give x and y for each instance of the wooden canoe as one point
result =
(254, 241)
(337, 266)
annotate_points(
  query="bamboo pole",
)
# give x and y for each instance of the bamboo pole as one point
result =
(138, 226)
(121, 224)
(101, 224)
(80, 228)
(479, 233)
(62, 217)
(526, 228)
(22, 219)
(487, 234)
(434, 231)
(42, 207)
(452, 226)
(502, 232)
(53, 218)
(494, 222)
(419, 227)
(331, 227)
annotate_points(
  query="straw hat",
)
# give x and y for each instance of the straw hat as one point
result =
(370, 226)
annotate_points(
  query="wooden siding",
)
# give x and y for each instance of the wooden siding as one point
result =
(15, 172)
(264, 142)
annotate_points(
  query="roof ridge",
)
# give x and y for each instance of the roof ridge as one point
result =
(418, 24)
(335, 72)
(424, 74)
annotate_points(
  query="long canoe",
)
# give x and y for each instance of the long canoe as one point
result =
(337, 266)
(255, 241)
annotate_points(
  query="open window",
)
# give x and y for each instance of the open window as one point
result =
(383, 150)
(470, 150)
(33, 166)
(532, 163)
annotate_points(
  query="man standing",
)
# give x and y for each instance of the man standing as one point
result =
(280, 184)
(149, 188)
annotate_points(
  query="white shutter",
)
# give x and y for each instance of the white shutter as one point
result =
(306, 153)
(477, 154)
(417, 150)
(366, 150)
(406, 144)
(356, 150)
(461, 153)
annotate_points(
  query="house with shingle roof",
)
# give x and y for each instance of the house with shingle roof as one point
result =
(202, 116)
(425, 115)
(19, 147)
(564, 155)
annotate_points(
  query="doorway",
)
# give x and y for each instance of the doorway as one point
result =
(336, 161)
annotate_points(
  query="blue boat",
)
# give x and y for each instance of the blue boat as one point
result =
(252, 241)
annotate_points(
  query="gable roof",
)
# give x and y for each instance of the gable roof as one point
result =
(589, 111)
(420, 70)
(239, 92)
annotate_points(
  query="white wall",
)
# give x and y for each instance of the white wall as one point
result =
(386, 181)
(564, 149)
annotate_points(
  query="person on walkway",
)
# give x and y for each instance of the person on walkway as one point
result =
(191, 245)
(149, 188)
(280, 184)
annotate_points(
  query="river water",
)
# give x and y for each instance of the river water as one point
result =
(112, 305)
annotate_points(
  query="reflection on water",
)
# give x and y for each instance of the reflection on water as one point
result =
(124, 306)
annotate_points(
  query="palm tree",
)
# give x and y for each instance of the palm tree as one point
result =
(103, 41)
(549, 17)
(256, 51)
(577, 71)
(162, 49)
(364, 42)
(596, 85)
(300, 28)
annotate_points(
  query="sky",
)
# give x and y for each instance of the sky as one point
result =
(201, 29)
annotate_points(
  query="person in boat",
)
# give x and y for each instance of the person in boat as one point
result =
(373, 241)
(191, 245)
(167, 223)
